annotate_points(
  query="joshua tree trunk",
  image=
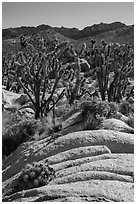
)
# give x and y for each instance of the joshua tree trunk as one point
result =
(37, 102)
(53, 111)
(101, 87)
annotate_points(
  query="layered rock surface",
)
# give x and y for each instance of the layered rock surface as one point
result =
(90, 166)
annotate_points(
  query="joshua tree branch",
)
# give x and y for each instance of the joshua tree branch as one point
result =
(18, 79)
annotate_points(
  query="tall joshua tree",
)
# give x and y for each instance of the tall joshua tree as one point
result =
(74, 81)
(33, 70)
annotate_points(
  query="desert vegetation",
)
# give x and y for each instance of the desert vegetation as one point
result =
(56, 90)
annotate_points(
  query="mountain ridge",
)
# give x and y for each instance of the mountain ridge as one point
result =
(73, 33)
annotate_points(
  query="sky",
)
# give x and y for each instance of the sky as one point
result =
(67, 14)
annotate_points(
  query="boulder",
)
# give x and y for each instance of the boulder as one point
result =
(22, 99)
(28, 112)
(10, 98)
(115, 124)
(122, 117)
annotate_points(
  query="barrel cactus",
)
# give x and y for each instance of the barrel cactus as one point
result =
(32, 176)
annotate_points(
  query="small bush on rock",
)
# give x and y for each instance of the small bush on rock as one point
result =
(126, 108)
(32, 176)
(130, 122)
(93, 112)
(114, 108)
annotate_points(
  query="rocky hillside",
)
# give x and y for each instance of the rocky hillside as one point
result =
(73, 33)
(123, 35)
(12, 45)
(15, 32)
(90, 30)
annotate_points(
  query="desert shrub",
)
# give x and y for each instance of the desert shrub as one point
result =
(93, 112)
(48, 127)
(18, 133)
(33, 176)
(9, 118)
(130, 122)
(63, 110)
(12, 115)
(114, 108)
(95, 107)
(126, 108)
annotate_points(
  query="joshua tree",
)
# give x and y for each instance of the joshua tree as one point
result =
(113, 65)
(75, 80)
(33, 73)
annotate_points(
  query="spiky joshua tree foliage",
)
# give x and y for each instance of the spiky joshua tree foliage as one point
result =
(38, 73)
(75, 80)
(113, 63)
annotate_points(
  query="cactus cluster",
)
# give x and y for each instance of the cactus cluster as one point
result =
(32, 176)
